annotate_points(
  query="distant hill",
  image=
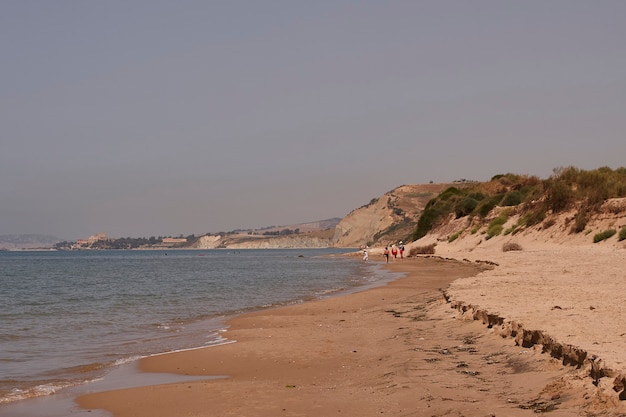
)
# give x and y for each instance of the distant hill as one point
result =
(28, 241)
(317, 234)
(302, 227)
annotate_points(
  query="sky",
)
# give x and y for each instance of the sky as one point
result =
(142, 118)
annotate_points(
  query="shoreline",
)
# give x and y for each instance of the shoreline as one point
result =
(189, 329)
(399, 349)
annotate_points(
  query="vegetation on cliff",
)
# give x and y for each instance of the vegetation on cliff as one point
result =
(534, 199)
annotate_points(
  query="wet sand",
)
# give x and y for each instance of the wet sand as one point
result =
(399, 350)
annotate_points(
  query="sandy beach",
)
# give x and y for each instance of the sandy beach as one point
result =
(409, 348)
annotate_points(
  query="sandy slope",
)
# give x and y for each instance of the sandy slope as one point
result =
(561, 292)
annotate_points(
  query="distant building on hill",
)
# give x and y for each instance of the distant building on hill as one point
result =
(86, 243)
(97, 237)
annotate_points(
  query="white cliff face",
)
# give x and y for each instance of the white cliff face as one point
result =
(361, 225)
(207, 242)
(261, 242)
(286, 242)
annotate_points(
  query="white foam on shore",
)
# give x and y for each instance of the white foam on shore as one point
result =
(62, 404)
(217, 342)
(37, 391)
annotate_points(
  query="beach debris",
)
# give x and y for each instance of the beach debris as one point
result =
(468, 349)
(540, 406)
(494, 358)
(620, 384)
(470, 373)
(395, 313)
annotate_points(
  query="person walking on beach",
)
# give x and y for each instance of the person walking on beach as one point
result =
(386, 253)
(394, 251)
(365, 255)
(401, 250)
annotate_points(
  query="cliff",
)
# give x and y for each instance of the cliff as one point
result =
(387, 219)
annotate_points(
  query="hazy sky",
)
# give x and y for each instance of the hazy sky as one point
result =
(148, 117)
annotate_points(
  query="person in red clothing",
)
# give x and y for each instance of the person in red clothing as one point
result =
(394, 251)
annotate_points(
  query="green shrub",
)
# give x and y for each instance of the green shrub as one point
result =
(449, 193)
(494, 230)
(622, 234)
(496, 226)
(512, 198)
(478, 196)
(488, 204)
(426, 222)
(454, 236)
(559, 195)
(580, 220)
(501, 219)
(603, 235)
(465, 207)
(513, 229)
(533, 217)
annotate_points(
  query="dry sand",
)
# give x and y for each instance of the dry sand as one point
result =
(401, 350)
(568, 300)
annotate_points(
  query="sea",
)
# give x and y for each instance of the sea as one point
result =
(73, 321)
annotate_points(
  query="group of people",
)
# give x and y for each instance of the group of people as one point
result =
(395, 250)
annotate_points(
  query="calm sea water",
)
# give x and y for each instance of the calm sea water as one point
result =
(70, 317)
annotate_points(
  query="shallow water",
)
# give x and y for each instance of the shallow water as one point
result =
(71, 317)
